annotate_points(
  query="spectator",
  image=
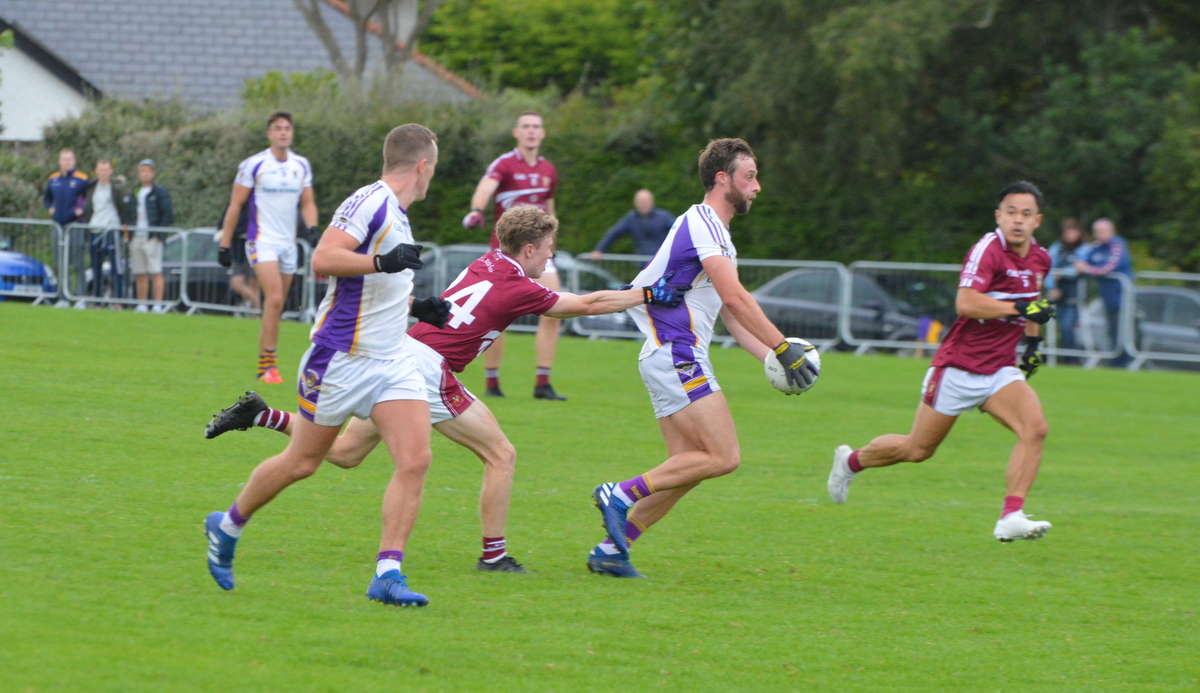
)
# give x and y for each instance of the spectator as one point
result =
(64, 199)
(241, 279)
(646, 224)
(104, 208)
(65, 190)
(151, 206)
(1104, 259)
(1063, 289)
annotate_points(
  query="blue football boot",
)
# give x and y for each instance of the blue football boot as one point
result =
(390, 588)
(616, 565)
(614, 512)
(220, 550)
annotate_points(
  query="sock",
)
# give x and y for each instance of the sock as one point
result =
(853, 462)
(493, 549)
(493, 377)
(233, 522)
(543, 376)
(1011, 505)
(633, 530)
(266, 359)
(388, 561)
(273, 419)
(633, 490)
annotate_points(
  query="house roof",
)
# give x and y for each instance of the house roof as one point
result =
(199, 50)
(47, 59)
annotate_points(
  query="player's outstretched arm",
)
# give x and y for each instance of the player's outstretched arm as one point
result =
(738, 302)
(596, 303)
(744, 339)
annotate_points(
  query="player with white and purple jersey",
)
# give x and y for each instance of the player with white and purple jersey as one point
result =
(273, 185)
(358, 364)
(688, 403)
(484, 299)
(998, 306)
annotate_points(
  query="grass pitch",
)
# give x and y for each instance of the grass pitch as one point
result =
(759, 582)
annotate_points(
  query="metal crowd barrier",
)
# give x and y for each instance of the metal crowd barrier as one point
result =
(907, 306)
(213, 288)
(1093, 339)
(1168, 319)
(30, 256)
(113, 282)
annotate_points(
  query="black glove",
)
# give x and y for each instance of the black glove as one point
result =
(662, 293)
(795, 364)
(311, 234)
(1031, 358)
(1039, 311)
(433, 310)
(402, 257)
(225, 257)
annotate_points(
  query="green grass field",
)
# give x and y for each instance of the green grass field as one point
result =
(759, 582)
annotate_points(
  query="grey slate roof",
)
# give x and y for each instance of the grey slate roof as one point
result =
(199, 50)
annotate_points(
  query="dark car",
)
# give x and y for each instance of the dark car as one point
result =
(1168, 321)
(806, 303)
(21, 275)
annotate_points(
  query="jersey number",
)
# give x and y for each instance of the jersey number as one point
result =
(472, 294)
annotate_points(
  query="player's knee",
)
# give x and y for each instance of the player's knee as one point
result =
(1037, 431)
(304, 468)
(503, 457)
(339, 458)
(415, 463)
(728, 462)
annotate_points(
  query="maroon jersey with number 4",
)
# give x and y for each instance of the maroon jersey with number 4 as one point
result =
(521, 184)
(991, 267)
(485, 299)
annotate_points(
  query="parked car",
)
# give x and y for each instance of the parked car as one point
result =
(207, 280)
(1168, 320)
(805, 303)
(22, 275)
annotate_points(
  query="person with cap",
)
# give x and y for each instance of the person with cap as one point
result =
(153, 205)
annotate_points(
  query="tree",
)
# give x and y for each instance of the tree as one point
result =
(397, 23)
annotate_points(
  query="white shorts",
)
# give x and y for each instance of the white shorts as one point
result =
(265, 251)
(145, 256)
(448, 397)
(952, 391)
(676, 375)
(334, 385)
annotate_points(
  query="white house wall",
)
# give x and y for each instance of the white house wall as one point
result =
(31, 97)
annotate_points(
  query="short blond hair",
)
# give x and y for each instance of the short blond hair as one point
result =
(522, 225)
(406, 145)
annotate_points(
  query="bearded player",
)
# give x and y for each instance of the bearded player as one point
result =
(998, 306)
(521, 177)
(492, 292)
(688, 403)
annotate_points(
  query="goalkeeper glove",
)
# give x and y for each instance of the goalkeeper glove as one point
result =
(1039, 311)
(224, 257)
(1031, 358)
(433, 310)
(473, 219)
(795, 364)
(663, 293)
(402, 257)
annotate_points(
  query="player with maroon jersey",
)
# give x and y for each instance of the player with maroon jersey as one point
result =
(521, 177)
(998, 306)
(492, 292)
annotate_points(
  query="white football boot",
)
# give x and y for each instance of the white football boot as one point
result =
(1016, 525)
(840, 476)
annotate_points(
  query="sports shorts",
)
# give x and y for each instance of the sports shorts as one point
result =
(448, 397)
(145, 256)
(952, 391)
(334, 385)
(240, 263)
(676, 375)
(266, 251)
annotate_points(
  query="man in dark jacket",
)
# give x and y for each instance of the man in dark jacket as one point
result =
(65, 190)
(1108, 257)
(150, 206)
(105, 211)
(646, 224)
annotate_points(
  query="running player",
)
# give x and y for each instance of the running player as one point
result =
(691, 409)
(358, 364)
(492, 292)
(521, 177)
(273, 183)
(998, 306)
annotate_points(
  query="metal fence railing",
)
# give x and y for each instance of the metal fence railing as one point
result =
(1152, 321)
(30, 255)
(115, 266)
